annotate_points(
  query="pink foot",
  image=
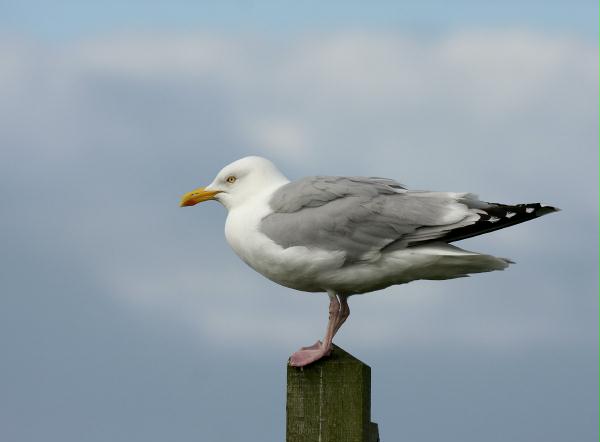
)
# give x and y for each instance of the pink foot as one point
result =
(308, 355)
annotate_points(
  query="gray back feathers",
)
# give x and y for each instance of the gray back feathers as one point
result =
(359, 216)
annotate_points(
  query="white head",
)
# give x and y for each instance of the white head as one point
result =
(238, 182)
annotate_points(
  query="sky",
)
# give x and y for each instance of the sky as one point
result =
(126, 318)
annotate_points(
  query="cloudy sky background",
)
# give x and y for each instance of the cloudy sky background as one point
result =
(125, 318)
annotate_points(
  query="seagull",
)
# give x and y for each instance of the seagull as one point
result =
(350, 235)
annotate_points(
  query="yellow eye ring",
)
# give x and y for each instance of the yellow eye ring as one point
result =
(231, 179)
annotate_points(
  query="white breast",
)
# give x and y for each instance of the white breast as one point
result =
(295, 267)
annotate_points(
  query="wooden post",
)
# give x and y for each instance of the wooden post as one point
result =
(330, 401)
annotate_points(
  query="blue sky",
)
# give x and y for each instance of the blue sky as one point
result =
(126, 318)
(73, 19)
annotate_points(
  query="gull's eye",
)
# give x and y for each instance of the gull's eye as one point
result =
(231, 179)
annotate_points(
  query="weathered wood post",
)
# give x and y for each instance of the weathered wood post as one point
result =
(330, 401)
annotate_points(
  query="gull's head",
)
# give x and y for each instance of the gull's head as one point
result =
(238, 182)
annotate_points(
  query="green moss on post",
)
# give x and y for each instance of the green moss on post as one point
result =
(330, 401)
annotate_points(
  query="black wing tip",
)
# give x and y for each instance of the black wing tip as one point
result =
(548, 209)
(499, 216)
(540, 209)
(520, 212)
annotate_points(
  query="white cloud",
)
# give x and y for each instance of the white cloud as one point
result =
(160, 55)
(286, 137)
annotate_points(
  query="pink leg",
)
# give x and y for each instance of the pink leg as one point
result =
(344, 312)
(312, 347)
(338, 312)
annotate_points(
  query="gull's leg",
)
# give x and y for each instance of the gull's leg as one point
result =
(344, 312)
(312, 347)
(306, 355)
(334, 319)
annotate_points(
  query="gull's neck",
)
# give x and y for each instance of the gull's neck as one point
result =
(260, 198)
(265, 194)
(243, 221)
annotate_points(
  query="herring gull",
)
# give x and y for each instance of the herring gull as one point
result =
(350, 235)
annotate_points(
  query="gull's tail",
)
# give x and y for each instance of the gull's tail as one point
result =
(440, 260)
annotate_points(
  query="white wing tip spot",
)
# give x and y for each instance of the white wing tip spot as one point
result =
(510, 214)
(529, 209)
(493, 219)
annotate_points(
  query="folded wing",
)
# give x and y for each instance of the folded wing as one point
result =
(365, 217)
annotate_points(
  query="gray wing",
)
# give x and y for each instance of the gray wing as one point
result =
(364, 217)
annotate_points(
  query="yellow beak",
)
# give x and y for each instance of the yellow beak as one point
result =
(197, 196)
